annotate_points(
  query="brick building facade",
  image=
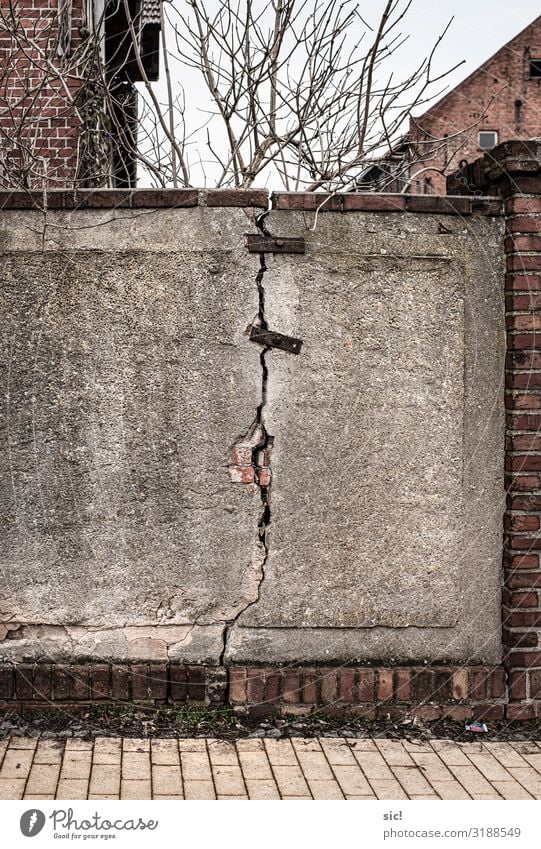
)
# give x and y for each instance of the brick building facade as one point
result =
(498, 102)
(68, 104)
(41, 62)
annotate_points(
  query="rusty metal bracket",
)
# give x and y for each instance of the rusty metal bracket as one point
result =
(271, 339)
(257, 243)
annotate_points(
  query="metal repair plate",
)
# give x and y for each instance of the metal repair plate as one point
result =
(275, 340)
(258, 243)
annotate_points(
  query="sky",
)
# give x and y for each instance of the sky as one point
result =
(479, 29)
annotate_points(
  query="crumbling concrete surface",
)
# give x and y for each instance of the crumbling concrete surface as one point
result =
(126, 377)
(388, 457)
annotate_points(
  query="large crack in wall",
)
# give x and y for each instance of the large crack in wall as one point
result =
(250, 456)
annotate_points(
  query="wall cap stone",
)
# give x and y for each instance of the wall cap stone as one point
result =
(60, 199)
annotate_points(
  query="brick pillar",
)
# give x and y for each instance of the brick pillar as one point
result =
(513, 170)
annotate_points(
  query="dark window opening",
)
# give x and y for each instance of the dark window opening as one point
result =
(120, 53)
(445, 148)
(127, 63)
(535, 69)
(518, 111)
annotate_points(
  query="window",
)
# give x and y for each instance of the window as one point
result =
(488, 139)
(535, 69)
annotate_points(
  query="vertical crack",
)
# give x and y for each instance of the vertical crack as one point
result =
(256, 447)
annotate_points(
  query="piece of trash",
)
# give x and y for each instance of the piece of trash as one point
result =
(476, 726)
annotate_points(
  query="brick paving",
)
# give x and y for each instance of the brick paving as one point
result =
(323, 768)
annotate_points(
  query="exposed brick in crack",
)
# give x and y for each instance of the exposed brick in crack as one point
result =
(250, 459)
(251, 455)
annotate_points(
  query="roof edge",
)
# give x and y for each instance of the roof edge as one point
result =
(479, 68)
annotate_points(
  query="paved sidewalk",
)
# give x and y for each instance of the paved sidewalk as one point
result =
(324, 768)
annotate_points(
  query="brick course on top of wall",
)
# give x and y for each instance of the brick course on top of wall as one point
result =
(133, 198)
(258, 198)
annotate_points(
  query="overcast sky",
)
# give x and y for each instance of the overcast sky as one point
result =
(479, 29)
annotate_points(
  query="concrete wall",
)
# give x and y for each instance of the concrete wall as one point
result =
(128, 378)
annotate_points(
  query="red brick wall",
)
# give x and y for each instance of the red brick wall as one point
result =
(39, 125)
(484, 101)
(522, 599)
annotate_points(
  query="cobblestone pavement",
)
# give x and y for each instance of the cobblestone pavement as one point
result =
(324, 768)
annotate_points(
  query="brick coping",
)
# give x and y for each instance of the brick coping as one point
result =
(61, 199)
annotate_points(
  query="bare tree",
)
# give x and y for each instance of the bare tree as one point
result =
(304, 90)
(298, 93)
